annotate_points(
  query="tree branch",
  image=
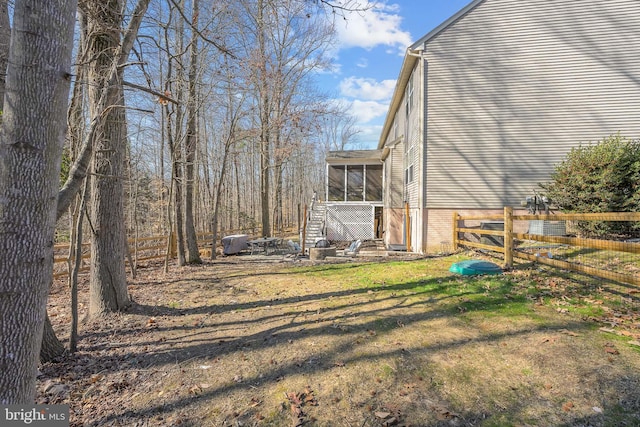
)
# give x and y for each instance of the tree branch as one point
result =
(199, 33)
(162, 97)
(79, 169)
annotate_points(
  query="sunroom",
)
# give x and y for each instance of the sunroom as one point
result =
(354, 195)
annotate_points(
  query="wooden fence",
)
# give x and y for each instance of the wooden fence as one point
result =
(140, 250)
(512, 243)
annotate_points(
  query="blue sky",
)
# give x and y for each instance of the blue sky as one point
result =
(370, 53)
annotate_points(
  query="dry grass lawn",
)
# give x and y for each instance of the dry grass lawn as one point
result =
(251, 341)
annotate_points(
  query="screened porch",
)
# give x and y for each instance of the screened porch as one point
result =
(354, 195)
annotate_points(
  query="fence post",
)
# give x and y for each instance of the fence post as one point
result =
(304, 230)
(508, 237)
(455, 231)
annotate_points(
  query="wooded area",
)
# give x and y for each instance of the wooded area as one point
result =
(173, 117)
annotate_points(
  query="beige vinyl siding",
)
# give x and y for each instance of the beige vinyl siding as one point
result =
(512, 86)
(394, 175)
(413, 142)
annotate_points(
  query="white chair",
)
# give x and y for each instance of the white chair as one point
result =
(353, 248)
(293, 249)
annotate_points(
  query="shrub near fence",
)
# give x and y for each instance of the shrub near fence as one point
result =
(612, 259)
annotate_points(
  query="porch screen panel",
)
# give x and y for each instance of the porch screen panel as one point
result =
(374, 183)
(355, 183)
(336, 183)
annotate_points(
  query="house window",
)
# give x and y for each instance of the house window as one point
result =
(408, 175)
(409, 96)
(408, 172)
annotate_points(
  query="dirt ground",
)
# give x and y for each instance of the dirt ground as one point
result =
(248, 340)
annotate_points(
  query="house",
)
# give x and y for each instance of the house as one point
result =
(489, 101)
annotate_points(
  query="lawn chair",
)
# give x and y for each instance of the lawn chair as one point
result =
(292, 248)
(353, 248)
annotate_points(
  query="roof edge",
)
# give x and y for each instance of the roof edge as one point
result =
(437, 30)
(401, 83)
(409, 62)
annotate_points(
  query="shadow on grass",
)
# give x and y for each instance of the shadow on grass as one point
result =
(381, 305)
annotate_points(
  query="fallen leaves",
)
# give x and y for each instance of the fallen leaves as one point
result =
(610, 349)
(235, 370)
(152, 323)
(387, 418)
(296, 403)
(443, 413)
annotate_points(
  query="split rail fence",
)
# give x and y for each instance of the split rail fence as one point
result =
(139, 250)
(547, 239)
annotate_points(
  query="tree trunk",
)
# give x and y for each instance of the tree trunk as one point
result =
(31, 140)
(107, 278)
(177, 203)
(193, 253)
(238, 192)
(52, 347)
(175, 138)
(277, 204)
(73, 276)
(5, 35)
(265, 149)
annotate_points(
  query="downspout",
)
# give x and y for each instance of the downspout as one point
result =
(424, 107)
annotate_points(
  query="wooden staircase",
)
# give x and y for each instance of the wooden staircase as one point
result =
(316, 222)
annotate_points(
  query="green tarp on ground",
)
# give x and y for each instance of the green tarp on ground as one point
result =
(475, 267)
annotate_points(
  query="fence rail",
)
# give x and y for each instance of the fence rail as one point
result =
(621, 258)
(140, 249)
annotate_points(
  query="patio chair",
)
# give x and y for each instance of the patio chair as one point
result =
(353, 248)
(292, 248)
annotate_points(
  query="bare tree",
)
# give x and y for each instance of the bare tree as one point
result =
(338, 127)
(31, 139)
(174, 116)
(264, 108)
(191, 138)
(285, 45)
(5, 36)
(107, 284)
(230, 134)
(51, 346)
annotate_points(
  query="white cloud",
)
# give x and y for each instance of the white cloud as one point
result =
(366, 111)
(369, 136)
(379, 25)
(362, 63)
(367, 89)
